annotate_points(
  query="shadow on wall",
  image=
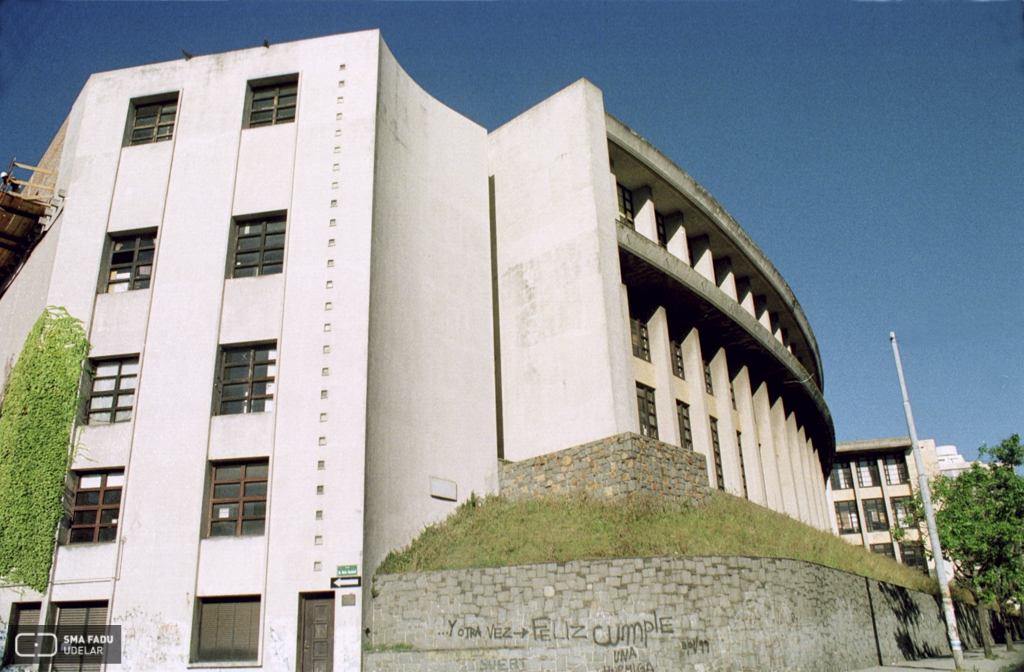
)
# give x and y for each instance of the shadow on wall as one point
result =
(969, 625)
(908, 618)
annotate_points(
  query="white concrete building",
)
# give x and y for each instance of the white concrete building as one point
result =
(322, 305)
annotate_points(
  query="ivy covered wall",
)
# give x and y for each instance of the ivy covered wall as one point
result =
(38, 414)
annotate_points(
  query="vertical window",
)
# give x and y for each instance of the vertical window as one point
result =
(707, 378)
(912, 553)
(648, 417)
(641, 339)
(677, 360)
(867, 473)
(625, 206)
(847, 518)
(152, 121)
(901, 510)
(75, 620)
(238, 499)
(883, 549)
(874, 515)
(130, 265)
(732, 395)
(842, 477)
(685, 429)
(259, 247)
(743, 467)
(662, 234)
(247, 378)
(95, 506)
(24, 621)
(272, 103)
(716, 447)
(896, 470)
(228, 629)
(112, 392)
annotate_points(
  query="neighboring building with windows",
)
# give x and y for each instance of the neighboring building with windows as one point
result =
(870, 489)
(322, 306)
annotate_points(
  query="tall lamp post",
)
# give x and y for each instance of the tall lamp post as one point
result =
(929, 514)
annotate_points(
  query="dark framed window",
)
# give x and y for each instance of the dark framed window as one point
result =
(743, 468)
(95, 506)
(716, 449)
(247, 378)
(130, 264)
(883, 549)
(24, 621)
(912, 553)
(874, 515)
(112, 390)
(625, 206)
(847, 518)
(238, 499)
(659, 220)
(896, 470)
(867, 473)
(76, 620)
(648, 416)
(258, 247)
(901, 511)
(641, 339)
(842, 477)
(152, 120)
(708, 386)
(678, 370)
(228, 629)
(685, 428)
(271, 104)
(732, 395)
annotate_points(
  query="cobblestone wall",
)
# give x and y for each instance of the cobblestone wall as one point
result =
(665, 614)
(612, 467)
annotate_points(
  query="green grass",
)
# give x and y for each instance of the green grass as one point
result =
(494, 532)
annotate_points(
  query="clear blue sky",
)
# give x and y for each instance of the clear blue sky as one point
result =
(873, 150)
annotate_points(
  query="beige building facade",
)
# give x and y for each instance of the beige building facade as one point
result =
(322, 306)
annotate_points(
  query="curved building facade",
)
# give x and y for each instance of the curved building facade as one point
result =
(323, 306)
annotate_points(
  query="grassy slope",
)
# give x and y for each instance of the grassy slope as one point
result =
(498, 532)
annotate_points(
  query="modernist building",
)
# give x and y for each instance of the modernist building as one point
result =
(322, 306)
(871, 487)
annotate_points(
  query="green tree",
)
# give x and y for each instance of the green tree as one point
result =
(980, 518)
(38, 414)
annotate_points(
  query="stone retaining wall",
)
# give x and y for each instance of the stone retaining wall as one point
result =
(613, 467)
(665, 614)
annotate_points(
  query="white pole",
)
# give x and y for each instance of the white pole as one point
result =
(929, 514)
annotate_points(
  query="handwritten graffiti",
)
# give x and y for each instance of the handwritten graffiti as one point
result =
(696, 645)
(546, 630)
(502, 664)
(632, 634)
(637, 666)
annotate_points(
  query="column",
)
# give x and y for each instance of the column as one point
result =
(664, 390)
(766, 442)
(749, 452)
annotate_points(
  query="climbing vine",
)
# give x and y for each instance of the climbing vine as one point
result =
(39, 408)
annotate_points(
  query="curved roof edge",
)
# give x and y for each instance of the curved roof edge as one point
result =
(645, 152)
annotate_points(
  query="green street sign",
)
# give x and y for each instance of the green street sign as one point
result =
(348, 570)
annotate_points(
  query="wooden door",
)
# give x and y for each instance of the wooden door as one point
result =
(317, 633)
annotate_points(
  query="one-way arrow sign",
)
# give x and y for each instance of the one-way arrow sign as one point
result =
(346, 581)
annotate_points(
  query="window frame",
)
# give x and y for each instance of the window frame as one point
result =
(245, 642)
(901, 512)
(640, 337)
(74, 507)
(840, 471)
(914, 552)
(225, 396)
(239, 233)
(849, 507)
(239, 501)
(871, 465)
(678, 367)
(685, 424)
(94, 618)
(659, 222)
(627, 214)
(876, 518)
(884, 548)
(716, 449)
(16, 627)
(899, 466)
(647, 412)
(135, 279)
(115, 393)
(168, 99)
(709, 386)
(257, 87)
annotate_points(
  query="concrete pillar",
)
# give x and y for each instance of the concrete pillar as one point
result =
(632, 422)
(643, 214)
(817, 485)
(692, 361)
(745, 296)
(761, 312)
(725, 278)
(799, 466)
(676, 232)
(726, 424)
(766, 440)
(813, 484)
(780, 440)
(747, 424)
(776, 330)
(664, 396)
(830, 503)
(701, 258)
